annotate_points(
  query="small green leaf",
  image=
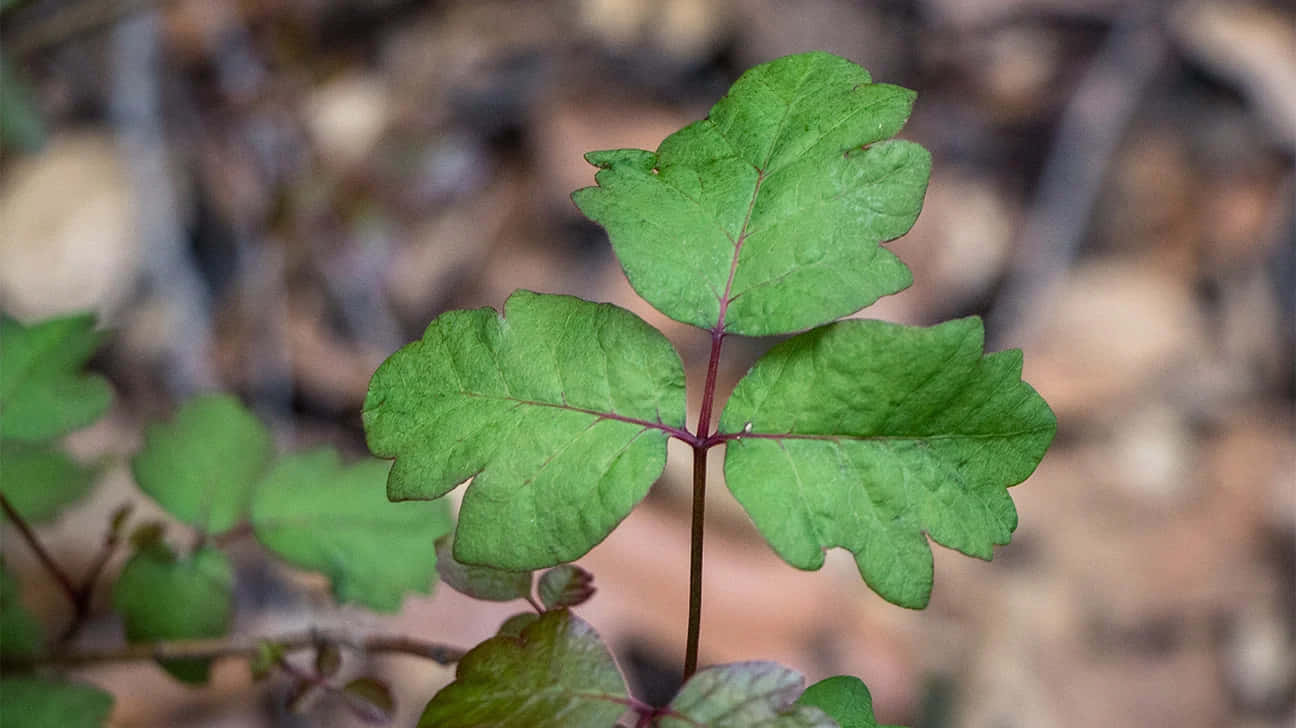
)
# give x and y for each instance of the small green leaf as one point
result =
(21, 126)
(318, 514)
(480, 582)
(514, 625)
(263, 662)
(743, 695)
(43, 393)
(844, 698)
(21, 634)
(202, 465)
(558, 674)
(866, 434)
(370, 699)
(559, 408)
(766, 217)
(32, 702)
(567, 585)
(40, 480)
(161, 597)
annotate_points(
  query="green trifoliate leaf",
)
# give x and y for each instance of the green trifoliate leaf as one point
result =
(161, 597)
(743, 695)
(21, 634)
(766, 217)
(318, 514)
(560, 408)
(567, 585)
(557, 674)
(202, 465)
(33, 702)
(865, 434)
(480, 582)
(43, 393)
(40, 480)
(845, 699)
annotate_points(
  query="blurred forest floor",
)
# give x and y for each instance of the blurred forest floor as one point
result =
(269, 197)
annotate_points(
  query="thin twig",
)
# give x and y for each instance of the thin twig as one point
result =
(42, 555)
(85, 593)
(248, 646)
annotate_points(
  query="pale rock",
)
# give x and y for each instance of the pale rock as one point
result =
(69, 238)
(347, 116)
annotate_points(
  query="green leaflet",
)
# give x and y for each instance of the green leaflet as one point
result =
(865, 434)
(481, 582)
(40, 480)
(557, 674)
(161, 597)
(765, 217)
(201, 467)
(318, 514)
(743, 695)
(566, 585)
(844, 698)
(33, 702)
(559, 408)
(43, 393)
(21, 634)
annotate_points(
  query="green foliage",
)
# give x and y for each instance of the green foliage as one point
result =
(481, 582)
(316, 513)
(33, 702)
(765, 217)
(40, 480)
(844, 698)
(865, 435)
(557, 674)
(201, 467)
(743, 695)
(21, 634)
(43, 393)
(162, 597)
(556, 408)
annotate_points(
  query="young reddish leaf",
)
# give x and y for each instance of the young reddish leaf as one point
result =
(161, 597)
(202, 465)
(566, 586)
(328, 659)
(33, 702)
(480, 582)
(844, 698)
(766, 216)
(560, 408)
(316, 513)
(370, 699)
(43, 393)
(514, 625)
(866, 434)
(743, 695)
(40, 480)
(557, 674)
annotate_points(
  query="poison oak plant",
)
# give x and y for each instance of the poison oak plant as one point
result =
(767, 218)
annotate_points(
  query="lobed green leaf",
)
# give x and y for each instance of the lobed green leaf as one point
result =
(766, 217)
(845, 699)
(202, 466)
(161, 597)
(866, 434)
(560, 409)
(33, 702)
(557, 674)
(40, 480)
(318, 514)
(43, 393)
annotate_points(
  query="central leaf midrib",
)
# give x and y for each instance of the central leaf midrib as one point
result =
(879, 438)
(595, 413)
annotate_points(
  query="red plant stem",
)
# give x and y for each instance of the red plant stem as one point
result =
(42, 555)
(699, 506)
